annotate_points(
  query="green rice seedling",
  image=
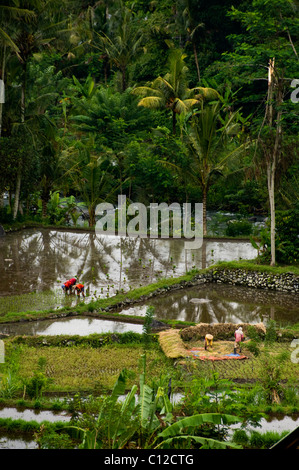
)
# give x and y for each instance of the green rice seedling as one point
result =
(240, 437)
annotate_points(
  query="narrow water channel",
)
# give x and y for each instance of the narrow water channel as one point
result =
(82, 326)
(33, 415)
(277, 424)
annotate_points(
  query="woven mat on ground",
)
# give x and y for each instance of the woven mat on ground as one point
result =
(203, 355)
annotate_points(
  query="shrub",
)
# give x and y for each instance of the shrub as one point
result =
(49, 439)
(39, 381)
(256, 440)
(253, 348)
(36, 384)
(238, 227)
(271, 335)
(240, 437)
(287, 227)
(265, 440)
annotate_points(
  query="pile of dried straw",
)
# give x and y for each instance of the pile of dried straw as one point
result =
(172, 344)
(218, 330)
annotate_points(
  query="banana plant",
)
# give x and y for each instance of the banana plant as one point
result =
(148, 405)
(180, 431)
(116, 424)
(110, 420)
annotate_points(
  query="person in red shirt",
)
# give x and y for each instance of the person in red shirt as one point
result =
(79, 288)
(68, 285)
(239, 337)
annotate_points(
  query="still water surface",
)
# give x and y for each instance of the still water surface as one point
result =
(208, 303)
(223, 303)
(36, 262)
(82, 326)
(274, 424)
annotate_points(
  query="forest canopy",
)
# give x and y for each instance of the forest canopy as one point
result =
(161, 101)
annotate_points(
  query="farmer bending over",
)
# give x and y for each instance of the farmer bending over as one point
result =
(79, 288)
(68, 285)
(208, 340)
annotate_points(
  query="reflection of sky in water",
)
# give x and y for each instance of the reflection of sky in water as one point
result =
(10, 443)
(36, 262)
(35, 256)
(70, 326)
(85, 327)
(286, 423)
(36, 415)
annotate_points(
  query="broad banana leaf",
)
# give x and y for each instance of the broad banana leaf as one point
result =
(207, 443)
(197, 420)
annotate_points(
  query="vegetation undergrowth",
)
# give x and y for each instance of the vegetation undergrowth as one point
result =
(210, 394)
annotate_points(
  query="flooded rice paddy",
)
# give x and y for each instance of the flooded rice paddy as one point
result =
(36, 262)
(33, 415)
(205, 303)
(222, 303)
(82, 326)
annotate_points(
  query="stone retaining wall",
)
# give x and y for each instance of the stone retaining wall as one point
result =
(287, 282)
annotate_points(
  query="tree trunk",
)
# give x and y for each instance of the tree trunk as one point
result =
(196, 61)
(173, 122)
(1, 111)
(204, 211)
(3, 78)
(20, 166)
(44, 208)
(123, 78)
(18, 190)
(92, 216)
(276, 151)
(271, 192)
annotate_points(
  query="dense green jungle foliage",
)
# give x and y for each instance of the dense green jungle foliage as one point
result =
(161, 101)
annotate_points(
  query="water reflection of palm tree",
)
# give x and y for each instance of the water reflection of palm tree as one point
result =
(146, 253)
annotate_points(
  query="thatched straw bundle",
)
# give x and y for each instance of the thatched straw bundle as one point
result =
(218, 330)
(172, 344)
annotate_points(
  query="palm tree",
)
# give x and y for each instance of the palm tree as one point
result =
(8, 16)
(91, 176)
(122, 41)
(210, 140)
(27, 38)
(110, 117)
(171, 91)
(187, 24)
